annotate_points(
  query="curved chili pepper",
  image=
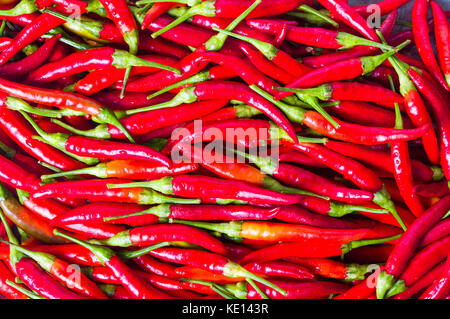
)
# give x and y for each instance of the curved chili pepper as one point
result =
(422, 40)
(384, 7)
(127, 277)
(437, 102)
(441, 286)
(62, 99)
(31, 62)
(403, 172)
(265, 66)
(404, 250)
(69, 252)
(425, 260)
(308, 289)
(201, 274)
(41, 282)
(422, 283)
(5, 289)
(417, 111)
(100, 79)
(152, 265)
(441, 27)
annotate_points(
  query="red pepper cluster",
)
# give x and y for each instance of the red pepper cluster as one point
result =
(354, 203)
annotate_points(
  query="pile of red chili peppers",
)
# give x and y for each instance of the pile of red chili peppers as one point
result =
(354, 203)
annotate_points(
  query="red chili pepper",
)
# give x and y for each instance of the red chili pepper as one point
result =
(297, 215)
(155, 11)
(353, 91)
(422, 283)
(203, 212)
(5, 289)
(272, 53)
(382, 160)
(340, 9)
(417, 111)
(358, 51)
(424, 260)
(277, 232)
(363, 290)
(316, 37)
(149, 235)
(16, 177)
(90, 60)
(95, 213)
(280, 269)
(129, 169)
(149, 264)
(209, 261)
(97, 190)
(229, 9)
(84, 147)
(63, 272)
(384, 7)
(209, 188)
(329, 268)
(69, 252)
(22, 217)
(300, 178)
(201, 274)
(22, 134)
(49, 209)
(30, 63)
(422, 40)
(438, 189)
(127, 277)
(441, 286)
(339, 71)
(265, 66)
(404, 250)
(439, 107)
(41, 282)
(61, 99)
(441, 30)
(100, 79)
(184, 34)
